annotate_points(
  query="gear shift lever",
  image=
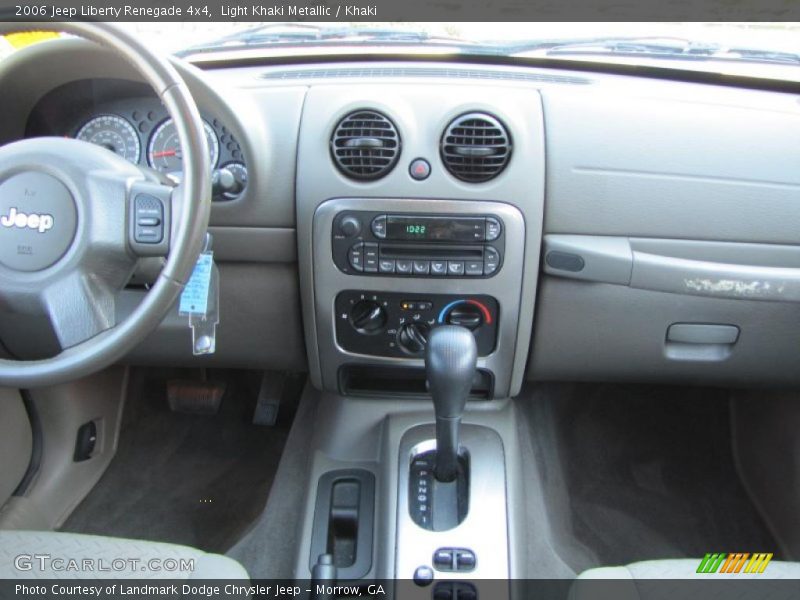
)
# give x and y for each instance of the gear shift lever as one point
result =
(450, 360)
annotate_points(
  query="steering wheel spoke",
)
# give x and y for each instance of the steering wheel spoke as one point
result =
(79, 307)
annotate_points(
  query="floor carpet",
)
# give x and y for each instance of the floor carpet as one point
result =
(646, 471)
(199, 480)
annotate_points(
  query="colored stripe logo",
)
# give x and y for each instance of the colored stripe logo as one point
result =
(735, 562)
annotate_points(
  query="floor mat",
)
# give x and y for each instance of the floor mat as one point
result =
(188, 479)
(648, 472)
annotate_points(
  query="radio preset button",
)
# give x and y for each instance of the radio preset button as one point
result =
(403, 267)
(356, 258)
(439, 267)
(422, 267)
(386, 265)
(473, 268)
(379, 227)
(493, 229)
(455, 267)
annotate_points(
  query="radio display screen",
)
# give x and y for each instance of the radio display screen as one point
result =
(463, 229)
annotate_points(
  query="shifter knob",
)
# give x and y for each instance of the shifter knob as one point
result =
(450, 360)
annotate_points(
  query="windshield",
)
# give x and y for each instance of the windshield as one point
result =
(766, 50)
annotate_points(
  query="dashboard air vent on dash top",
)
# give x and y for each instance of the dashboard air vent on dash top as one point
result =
(365, 145)
(475, 147)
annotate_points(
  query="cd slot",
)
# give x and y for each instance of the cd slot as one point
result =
(419, 251)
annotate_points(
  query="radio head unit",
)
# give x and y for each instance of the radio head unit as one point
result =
(407, 244)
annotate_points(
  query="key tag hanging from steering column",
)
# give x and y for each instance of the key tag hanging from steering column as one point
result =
(200, 302)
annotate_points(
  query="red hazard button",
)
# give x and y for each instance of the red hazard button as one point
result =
(419, 169)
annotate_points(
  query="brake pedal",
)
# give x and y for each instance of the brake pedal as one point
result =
(269, 398)
(195, 397)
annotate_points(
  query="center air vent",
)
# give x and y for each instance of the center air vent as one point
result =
(365, 145)
(475, 147)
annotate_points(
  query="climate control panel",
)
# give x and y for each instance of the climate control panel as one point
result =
(397, 325)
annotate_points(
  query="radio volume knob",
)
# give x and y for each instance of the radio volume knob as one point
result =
(368, 317)
(349, 226)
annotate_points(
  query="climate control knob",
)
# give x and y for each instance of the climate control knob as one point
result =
(467, 315)
(413, 337)
(368, 317)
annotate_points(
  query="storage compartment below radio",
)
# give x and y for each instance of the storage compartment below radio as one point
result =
(400, 382)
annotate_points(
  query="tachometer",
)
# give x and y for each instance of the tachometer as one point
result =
(164, 150)
(114, 133)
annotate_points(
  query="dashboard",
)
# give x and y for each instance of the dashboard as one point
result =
(587, 226)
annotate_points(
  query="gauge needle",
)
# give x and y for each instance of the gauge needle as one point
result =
(172, 152)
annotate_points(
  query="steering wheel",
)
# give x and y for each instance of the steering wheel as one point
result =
(75, 219)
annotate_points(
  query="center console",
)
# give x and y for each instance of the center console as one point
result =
(390, 265)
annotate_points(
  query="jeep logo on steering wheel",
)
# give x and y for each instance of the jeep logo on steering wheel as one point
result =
(21, 220)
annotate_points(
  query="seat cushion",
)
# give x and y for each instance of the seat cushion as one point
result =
(679, 579)
(55, 555)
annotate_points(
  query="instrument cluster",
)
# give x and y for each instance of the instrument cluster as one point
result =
(141, 131)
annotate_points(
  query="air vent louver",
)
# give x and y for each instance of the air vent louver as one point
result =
(475, 147)
(365, 145)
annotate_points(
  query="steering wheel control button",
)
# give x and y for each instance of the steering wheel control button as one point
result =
(149, 217)
(423, 576)
(493, 229)
(38, 220)
(419, 169)
(356, 257)
(379, 227)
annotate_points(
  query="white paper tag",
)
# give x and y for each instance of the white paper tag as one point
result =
(194, 299)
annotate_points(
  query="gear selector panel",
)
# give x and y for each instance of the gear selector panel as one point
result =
(394, 324)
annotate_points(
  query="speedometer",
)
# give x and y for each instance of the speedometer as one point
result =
(114, 133)
(164, 150)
